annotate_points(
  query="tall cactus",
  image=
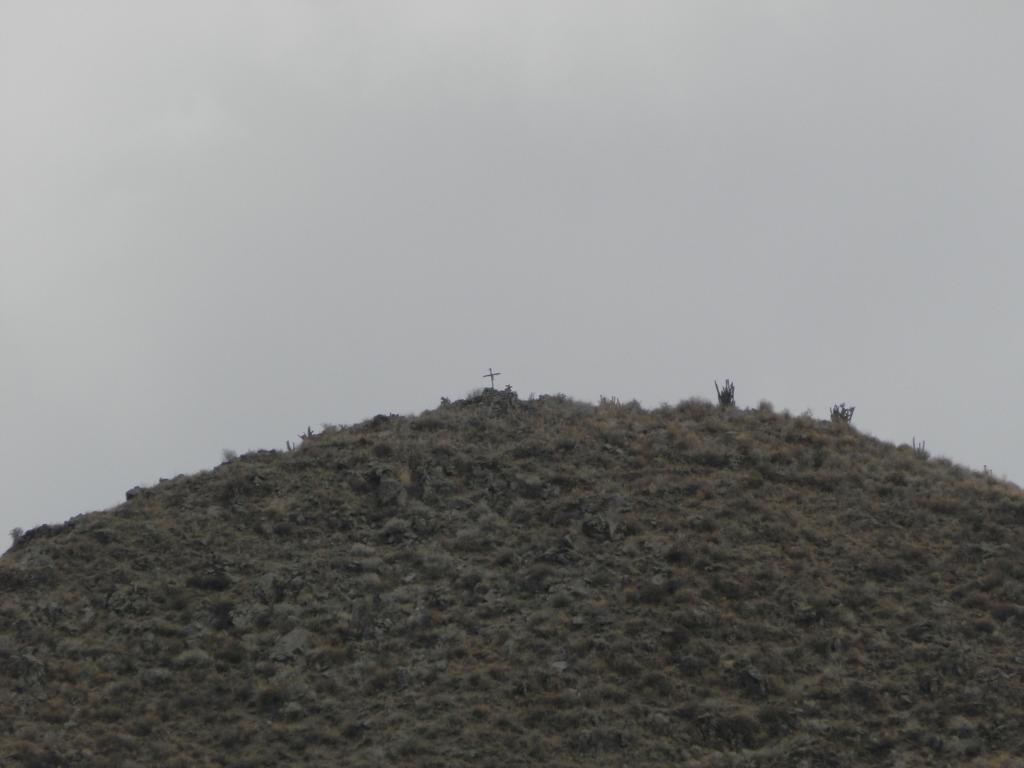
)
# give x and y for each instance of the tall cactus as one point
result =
(727, 394)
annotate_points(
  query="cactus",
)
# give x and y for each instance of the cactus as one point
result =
(727, 394)
(842, 413)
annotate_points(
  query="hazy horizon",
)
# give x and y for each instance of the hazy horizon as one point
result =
(225, 222)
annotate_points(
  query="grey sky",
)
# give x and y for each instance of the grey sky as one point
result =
(221, 222)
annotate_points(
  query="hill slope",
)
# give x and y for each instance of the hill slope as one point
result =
(503, 582)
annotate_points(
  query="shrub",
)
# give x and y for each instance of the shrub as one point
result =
(16, 534)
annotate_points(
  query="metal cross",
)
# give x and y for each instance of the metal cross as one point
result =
(491, 374)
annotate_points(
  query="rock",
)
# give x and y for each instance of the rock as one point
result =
(597, 527)
(148, 643)
(245, 617)
(157, 676)
(298, 641)
(753, 683)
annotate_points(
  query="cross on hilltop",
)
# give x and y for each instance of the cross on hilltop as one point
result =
(490, 375)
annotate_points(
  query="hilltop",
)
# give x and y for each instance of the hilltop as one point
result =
(530, 582)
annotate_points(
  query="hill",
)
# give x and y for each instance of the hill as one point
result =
(505, 582)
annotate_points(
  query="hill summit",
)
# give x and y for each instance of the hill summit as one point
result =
(502, 582)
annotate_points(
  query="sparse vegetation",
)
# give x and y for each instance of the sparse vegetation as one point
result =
(538, 582)
(842, 413)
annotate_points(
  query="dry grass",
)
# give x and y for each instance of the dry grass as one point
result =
(500, 582)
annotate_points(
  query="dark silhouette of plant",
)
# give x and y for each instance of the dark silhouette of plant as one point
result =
(842, 414)
(727, 394)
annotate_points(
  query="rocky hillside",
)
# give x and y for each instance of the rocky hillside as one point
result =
(500, 582)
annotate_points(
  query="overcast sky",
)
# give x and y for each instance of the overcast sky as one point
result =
(221, 222)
